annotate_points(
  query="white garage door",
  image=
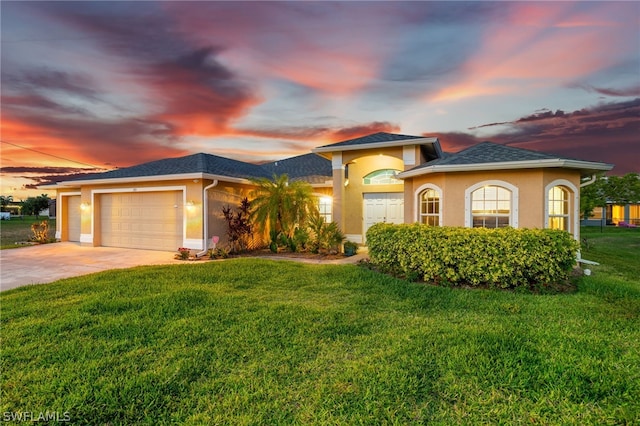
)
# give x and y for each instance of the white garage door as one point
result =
(145, 220)
(383, 207)
(73, 219)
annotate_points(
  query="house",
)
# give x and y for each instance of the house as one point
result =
(381, 177)
(612, 214)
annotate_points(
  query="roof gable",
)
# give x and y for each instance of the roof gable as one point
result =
(373, 138)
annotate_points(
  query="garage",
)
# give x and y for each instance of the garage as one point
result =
(383, 207)
(72, 218)
(145, 220)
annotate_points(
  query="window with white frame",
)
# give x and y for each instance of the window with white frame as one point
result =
(490, 207)
(382, 177)
(430, 207)
(325, 205)
(559, 208)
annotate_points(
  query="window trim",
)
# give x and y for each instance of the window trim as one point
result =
(574, 215)
(416, 196)
(513, 214)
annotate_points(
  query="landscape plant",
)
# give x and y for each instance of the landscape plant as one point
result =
(40, 232)
(279, 206)
(323, 236)
(504, 258)
(239, 228)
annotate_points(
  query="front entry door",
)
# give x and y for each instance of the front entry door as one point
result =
(385, 207)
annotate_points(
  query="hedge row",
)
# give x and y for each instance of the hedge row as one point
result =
(504, 258)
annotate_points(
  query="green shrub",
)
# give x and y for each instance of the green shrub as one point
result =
(505, 258)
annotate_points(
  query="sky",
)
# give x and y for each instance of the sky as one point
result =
(89, 86)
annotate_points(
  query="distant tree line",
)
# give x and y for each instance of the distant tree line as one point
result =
(32, 206)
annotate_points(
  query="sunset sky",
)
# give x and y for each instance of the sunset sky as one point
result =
(112, 84)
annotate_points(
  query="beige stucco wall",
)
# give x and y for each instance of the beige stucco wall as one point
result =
(359, 167)
(531, 185)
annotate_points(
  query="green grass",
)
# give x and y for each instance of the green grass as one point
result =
(251, 341)
(17, 230)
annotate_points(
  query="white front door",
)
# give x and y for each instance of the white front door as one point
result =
(385, 207)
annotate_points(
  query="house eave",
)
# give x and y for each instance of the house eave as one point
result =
(375, 145)
(584, 166)
(137, 179)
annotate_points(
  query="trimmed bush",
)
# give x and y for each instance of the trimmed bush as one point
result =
(504, 258)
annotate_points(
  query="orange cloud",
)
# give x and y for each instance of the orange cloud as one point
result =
(533, 48)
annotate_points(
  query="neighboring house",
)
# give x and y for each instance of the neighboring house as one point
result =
(612, 214)
(382, 177)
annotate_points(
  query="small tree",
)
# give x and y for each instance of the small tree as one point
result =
(239, 229)
(623, 190)
(34, 205)
(279, 206)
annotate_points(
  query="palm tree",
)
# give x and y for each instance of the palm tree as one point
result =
(5, 201)
(278, 206)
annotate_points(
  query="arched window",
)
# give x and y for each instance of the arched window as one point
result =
(490, 207)
(430, 207)
(382, 177)
(558, 208)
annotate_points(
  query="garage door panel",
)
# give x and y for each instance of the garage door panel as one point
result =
(149, 220)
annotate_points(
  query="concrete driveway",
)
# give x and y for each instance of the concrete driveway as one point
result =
(50, 262)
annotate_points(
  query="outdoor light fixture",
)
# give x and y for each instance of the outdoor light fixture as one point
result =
(190, 205)
(84, 206)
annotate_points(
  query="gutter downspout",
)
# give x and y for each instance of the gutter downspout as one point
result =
(580, 259)
(205, 219)
(589, 182)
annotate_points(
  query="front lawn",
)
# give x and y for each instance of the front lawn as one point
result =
(19, 230)
(255, 341)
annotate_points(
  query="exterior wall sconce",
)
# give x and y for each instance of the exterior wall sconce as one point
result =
(85, 206)
(190, 206)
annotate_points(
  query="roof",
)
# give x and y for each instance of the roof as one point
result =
(373, 138)
(430, 146)
(310, 168)
(492, 156)
(196, 163)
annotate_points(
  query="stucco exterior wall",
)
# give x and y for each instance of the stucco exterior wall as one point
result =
(530, 183)
(91, 202)
(359, 167)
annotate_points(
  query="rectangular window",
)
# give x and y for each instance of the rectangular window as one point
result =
(325, 205)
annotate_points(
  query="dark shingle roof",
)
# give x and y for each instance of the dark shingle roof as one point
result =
(311, 168)
(196, 163)
(489, 152)
(373, 138)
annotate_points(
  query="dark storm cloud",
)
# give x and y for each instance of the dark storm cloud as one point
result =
(624, 92)
(608, 133)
